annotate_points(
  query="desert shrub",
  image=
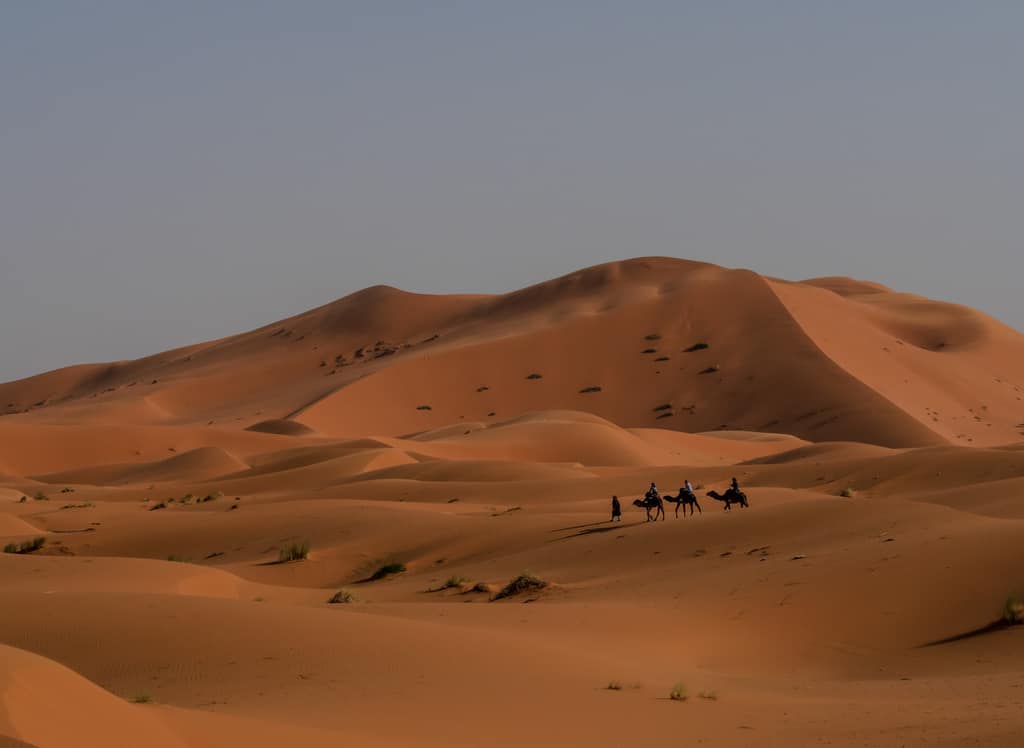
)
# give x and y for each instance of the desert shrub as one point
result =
(665, 415)
(535, 375)
(848, 492)
(179, 559)
(663, 406)
(142, 698)
(454, 581)
(708, 695)
(678, 692)
(423, 407)
(649, 350)
(387, 570)
(294, 552)
(29, 546)
(525, 582)
(342, 597)
(661, 358)
(23, 499)
(67, 490)
(452, 501)
(614, 685)
(482, 389)
(482, 587)
(710, 370)
(588, 390)
(652, 336)
(1013, 610)
(40, 496)
(210, 497)
(697, 347)
(158, 505)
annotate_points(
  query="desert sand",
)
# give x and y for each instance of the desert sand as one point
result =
(471, 439)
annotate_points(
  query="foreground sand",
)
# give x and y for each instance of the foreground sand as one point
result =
(809, 618)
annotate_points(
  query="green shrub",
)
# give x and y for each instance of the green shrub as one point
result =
(525, 582)
(848, 492)
(454, 582)
(614, 685)
(387, 570)
(678, 692)
(1013, 610)
(341, 597)
(29, 546)
(294, 552)
(40, 496)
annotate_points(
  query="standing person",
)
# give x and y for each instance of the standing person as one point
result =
(616, 509)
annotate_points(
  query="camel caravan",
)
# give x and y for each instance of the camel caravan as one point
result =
(654, 503)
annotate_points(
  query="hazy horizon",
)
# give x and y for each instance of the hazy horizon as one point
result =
(178, 173)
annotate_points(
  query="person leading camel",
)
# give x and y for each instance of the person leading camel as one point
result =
(616, 509)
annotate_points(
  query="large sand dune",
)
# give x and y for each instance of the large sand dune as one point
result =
(471, 438)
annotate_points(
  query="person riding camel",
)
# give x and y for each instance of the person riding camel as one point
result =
(735, 485)
(652, 492)
(688, 487)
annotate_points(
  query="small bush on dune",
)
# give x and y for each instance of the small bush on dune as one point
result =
(454, 582)
(179, 559)
(67, 490)
(535, 375)
(678, 692)
(29, 546)
(708, 695)
(40, 496)
(158, 505)
(341, 597)
(614, 685)
(1013, 610)
(848, 492)
(294, 552)
(697, 347)
(482, 587)
(387, 570)
(525, 582)
(142, 699)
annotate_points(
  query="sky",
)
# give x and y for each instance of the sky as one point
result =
(172, 172)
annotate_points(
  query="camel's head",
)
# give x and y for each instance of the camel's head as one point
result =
(638, 502)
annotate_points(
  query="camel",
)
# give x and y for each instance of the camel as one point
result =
(684, 499)
(654, 503)
(730, 497)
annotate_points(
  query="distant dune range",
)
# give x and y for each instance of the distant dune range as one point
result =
(468, 439)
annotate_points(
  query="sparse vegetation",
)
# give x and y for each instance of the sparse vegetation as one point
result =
(534, 375)
(525, 582)
(452, 501)
(697, 347)
(294, 552)
(1013, 610)
(86, 505)
(661, 358)
(180, 559)
(710, 370)
(454, 581)
(210, 497)
(40, 496)
(649, 350)
(142, 698)
(652, 336)
(423, 407)
(663, 406)
(67, 490)
(482, 389)
(708, 695)
(665, 415)
(158, 505)
(588, 390)
(342, 597)
(387, 570)
(482, 587)
(678, 692)
(614, 685)
(848, 493)
(29, 546)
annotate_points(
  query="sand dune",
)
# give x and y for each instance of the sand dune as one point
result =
(423, 451)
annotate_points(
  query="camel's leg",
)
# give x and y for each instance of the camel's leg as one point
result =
(698, 507)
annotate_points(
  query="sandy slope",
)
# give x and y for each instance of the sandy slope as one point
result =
(166, 487)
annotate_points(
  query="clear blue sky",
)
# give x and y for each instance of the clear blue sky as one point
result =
(176, 171)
